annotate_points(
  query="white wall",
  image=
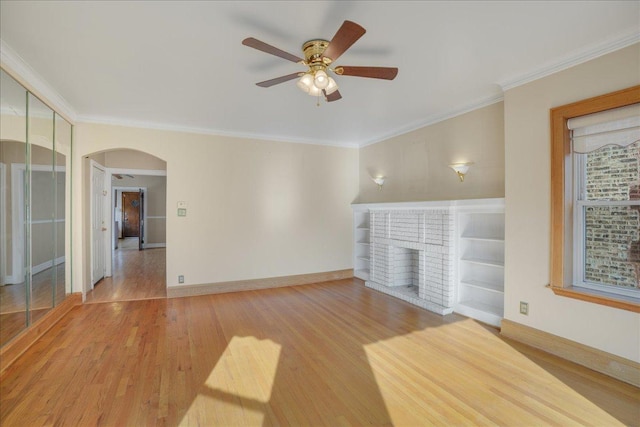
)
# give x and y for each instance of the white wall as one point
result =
(256, 209)
(527, 148)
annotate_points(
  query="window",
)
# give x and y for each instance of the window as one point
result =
(595, 254)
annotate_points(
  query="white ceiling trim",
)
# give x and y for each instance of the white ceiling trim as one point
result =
(438, 118)
(203, 131)
(575, 58)
(13, 63)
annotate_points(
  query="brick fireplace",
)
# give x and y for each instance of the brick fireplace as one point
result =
(412, 256)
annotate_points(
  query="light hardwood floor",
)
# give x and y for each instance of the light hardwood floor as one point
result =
(334, 353)
(136, 275)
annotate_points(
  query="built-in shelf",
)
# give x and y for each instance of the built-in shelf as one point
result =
(481, 263)
(476, 305)
(489, 262)
(484, 238)
(489, 286)
(361, 231)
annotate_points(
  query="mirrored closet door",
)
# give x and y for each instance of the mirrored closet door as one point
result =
(14, 281)
(35, 144)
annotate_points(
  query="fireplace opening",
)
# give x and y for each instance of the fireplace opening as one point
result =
(406, 271)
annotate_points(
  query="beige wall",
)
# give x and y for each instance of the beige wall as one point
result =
(131, 159)
(255, 208)
(416, 163)
(528, 205)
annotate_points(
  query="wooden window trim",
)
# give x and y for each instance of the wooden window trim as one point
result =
(561, 193)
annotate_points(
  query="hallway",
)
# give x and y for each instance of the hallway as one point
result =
(136, 275)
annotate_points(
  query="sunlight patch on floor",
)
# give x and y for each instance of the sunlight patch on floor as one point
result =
(231, 397)
(477, 386)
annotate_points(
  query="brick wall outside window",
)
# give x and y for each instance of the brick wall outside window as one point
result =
(612, 238)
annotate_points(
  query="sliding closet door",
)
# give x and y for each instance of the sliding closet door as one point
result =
(35, 206)
(14, 281)
(62, 145)
(41, 217)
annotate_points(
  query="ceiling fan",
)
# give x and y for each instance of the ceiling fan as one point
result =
(319, 55)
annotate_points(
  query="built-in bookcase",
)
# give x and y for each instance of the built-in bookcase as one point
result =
(481, 263)
(362, 243)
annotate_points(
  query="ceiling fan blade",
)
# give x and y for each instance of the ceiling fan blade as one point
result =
(278, 80)
(334, 96)
(387, 73)
(267, 48)
(347, 35)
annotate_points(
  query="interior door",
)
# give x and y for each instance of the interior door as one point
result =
(141, 222)
(98, 226)
(130, 214)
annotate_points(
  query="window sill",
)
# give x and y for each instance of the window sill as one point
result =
(602, 298)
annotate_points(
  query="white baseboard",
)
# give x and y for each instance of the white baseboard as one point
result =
(154, 245)
(256, 284)
(12, 280)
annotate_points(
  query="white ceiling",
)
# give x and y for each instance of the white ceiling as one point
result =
(181, 65)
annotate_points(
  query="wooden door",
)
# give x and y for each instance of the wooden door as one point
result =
(141, 221)
(130, 214)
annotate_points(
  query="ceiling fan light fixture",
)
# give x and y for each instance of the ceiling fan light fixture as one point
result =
(314, 91)
(306, 82)
(321, 80)
(331, 87)
(302, 86)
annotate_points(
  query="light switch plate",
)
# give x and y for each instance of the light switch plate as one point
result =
(182, 212)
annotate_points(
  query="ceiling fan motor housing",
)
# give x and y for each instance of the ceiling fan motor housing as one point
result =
(313, 50)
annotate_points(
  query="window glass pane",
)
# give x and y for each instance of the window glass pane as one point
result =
(612, 172)
(612, 245)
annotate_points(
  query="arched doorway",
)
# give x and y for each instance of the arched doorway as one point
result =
(126, 264)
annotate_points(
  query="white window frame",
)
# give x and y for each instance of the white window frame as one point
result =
(579, 229)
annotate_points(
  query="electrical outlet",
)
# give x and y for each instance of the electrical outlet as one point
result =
(524, 308)
(181, 279)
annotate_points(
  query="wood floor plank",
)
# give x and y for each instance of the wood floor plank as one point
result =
(136, 275)
(334, 353)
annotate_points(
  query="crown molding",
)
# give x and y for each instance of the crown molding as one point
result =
(18, 68)
(575, 58)
(594, 51)
(437, 118)
(27, 76)
(101, 120)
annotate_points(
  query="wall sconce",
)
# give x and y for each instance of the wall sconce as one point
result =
(461, 169)
(379, 180)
